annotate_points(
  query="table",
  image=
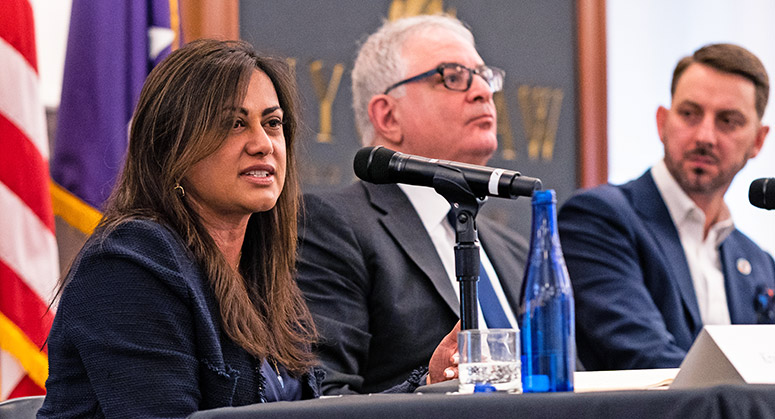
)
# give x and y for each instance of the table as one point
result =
(728, 401)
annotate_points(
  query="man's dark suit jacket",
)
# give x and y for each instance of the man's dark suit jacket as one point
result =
(377, 288)
(635, 300)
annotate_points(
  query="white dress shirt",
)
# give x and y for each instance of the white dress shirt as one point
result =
(702, 253)
(432, 209)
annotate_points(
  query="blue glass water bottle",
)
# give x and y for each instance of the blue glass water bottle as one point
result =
(546, 316)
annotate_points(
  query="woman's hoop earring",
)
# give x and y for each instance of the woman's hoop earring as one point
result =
(179, 189)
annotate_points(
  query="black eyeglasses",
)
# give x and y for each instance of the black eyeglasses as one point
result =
(458, 77)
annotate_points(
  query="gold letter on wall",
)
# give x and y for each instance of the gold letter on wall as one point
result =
(407, 8)
(540, 108)
(508, 148)
(326, 96)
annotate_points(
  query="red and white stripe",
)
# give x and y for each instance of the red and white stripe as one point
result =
(29, 264)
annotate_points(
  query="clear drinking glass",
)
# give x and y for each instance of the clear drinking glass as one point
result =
(489, 361)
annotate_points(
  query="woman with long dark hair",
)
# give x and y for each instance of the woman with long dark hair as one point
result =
(184, 297)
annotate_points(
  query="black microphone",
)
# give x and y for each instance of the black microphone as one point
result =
(762, 193)
(382, 165)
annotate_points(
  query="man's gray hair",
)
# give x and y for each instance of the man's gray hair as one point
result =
(380, 62)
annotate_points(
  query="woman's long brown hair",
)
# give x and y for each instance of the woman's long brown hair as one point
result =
(184, 114)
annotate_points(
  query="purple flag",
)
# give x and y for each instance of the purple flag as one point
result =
(111, 48)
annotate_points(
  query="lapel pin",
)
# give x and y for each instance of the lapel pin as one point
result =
(744, 266)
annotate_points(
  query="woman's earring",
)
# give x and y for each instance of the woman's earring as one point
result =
(179, 189)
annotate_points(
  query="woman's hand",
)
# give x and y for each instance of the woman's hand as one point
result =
(443, 364)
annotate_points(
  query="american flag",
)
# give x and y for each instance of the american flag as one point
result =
(112, 45)
(29, 264)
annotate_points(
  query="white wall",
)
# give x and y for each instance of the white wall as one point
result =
(52, 20)
(646, 38)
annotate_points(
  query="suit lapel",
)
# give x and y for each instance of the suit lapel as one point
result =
(405, 227)
(656, 216)
(739, 284)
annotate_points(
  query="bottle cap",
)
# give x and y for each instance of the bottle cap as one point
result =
(547, 196)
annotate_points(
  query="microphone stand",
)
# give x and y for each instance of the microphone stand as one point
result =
(450, 183)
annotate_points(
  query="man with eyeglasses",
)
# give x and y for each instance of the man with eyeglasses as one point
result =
(376, 262)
